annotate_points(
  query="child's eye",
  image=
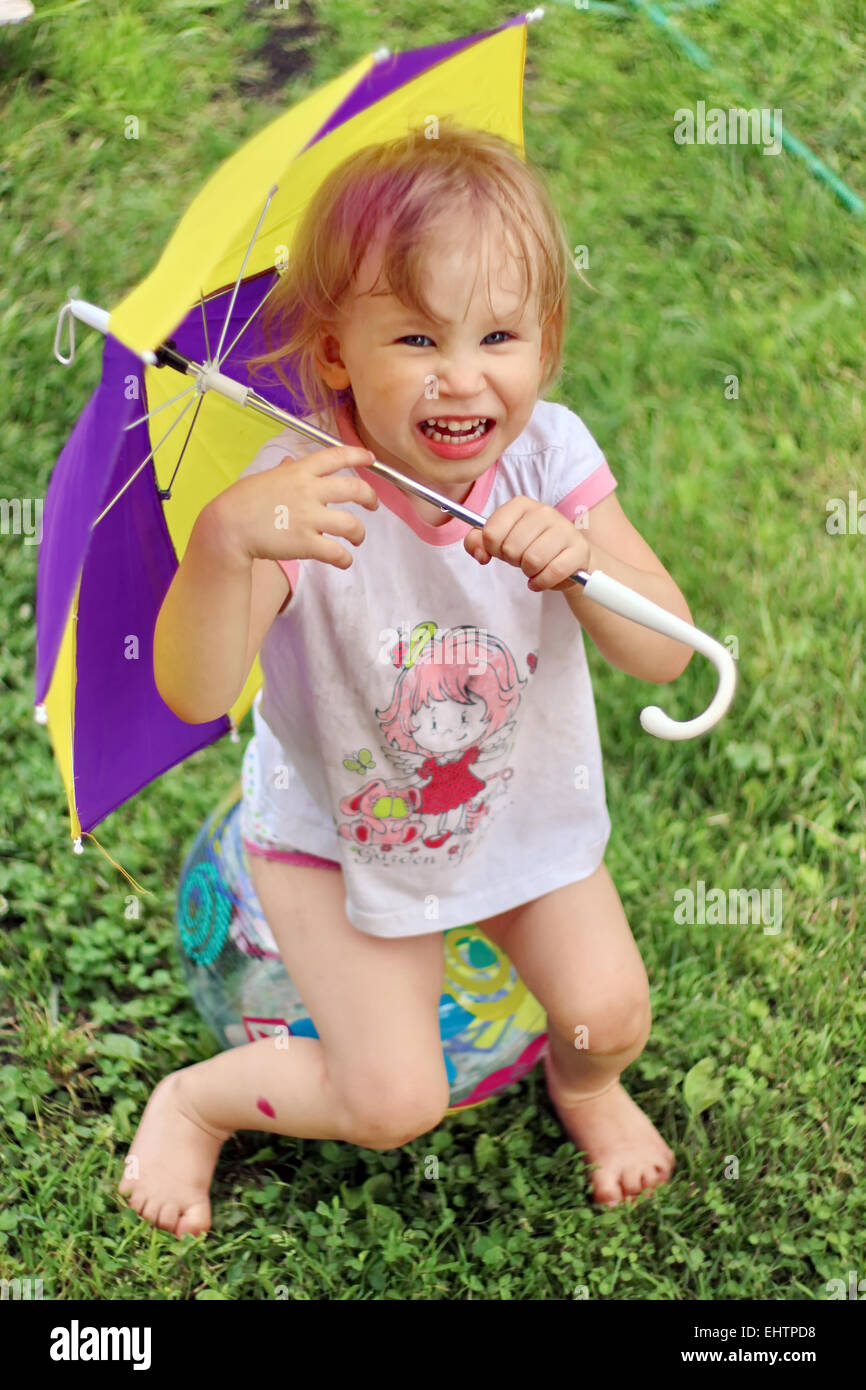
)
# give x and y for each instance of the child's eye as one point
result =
(497, 333)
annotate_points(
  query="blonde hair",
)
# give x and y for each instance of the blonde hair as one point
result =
(398, 192)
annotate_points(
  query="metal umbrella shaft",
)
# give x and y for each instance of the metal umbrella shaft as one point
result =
(598, 586)
(168, 356)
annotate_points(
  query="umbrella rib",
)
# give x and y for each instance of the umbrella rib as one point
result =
(257, 310)
(181, 394)
(150, 414)
(216, 363)
(185, 442)
(241, 273)
(204, 324)
(141, 465)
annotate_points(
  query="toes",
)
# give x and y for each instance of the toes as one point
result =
(632, 1180)
(150, 1210)
(195, 1219)
(659, 1170)
(653, 1177)
(168, 1216)
(606, 1190)
(664, 1165)
(612, 1186)
(129, 1179)
(137, 1199)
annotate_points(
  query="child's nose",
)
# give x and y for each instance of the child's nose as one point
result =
(463, 377)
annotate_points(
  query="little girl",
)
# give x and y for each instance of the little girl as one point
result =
(426, 751)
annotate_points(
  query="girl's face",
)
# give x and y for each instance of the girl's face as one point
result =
(481, 364)
(446, 726)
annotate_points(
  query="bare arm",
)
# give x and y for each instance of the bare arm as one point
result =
(228, 590)
(217, 609)
(620, 551)
(542, 541)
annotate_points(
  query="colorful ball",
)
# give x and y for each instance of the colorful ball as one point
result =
(492, 1028)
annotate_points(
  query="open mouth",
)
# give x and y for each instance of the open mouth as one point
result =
(444, 431)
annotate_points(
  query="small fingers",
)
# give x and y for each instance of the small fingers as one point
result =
(330, 552)
(515, 530)
(559, 568)
(329, 460)
(337, 523)
(532, 552)
(344, 489)
(474, 544)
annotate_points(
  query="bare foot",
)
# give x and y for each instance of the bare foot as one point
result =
(171, 1161)
(615, 1134)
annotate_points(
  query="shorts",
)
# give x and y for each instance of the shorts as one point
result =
(256, 836)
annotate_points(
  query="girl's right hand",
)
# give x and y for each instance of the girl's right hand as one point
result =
(283, 513)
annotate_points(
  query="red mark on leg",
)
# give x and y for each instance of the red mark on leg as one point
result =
(266, 1108)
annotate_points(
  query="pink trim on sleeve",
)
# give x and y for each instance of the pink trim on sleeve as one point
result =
(599, 484)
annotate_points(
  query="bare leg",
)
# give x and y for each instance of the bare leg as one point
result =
(351, 1083)
(575, 952)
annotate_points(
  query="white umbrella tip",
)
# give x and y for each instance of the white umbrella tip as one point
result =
(535, 14)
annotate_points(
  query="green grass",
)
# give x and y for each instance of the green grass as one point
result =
(705, 262)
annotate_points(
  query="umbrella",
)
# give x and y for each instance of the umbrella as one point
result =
(129, 484)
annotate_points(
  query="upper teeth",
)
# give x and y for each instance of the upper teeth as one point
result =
(457, 424)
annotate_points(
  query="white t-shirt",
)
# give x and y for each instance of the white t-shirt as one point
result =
(427, 721)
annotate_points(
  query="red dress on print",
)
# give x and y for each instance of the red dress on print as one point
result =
(452, 783)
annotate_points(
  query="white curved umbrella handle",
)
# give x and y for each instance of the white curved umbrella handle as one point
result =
(620, 599)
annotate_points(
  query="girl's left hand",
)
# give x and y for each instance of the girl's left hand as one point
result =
(536, 538)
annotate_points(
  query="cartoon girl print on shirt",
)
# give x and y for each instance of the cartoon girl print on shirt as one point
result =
(452, 714)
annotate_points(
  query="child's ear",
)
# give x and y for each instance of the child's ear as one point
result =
(330, 364)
